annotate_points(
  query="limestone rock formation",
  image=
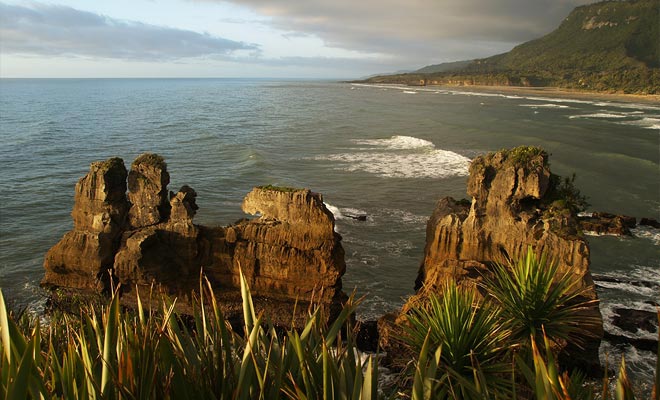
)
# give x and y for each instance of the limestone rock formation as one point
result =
(290, 255)
(99, 214)
(514, 205)
(147, 185)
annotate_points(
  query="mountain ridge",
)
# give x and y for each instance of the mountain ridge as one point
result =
(610, 46)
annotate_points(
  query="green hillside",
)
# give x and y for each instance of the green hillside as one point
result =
(608, 46)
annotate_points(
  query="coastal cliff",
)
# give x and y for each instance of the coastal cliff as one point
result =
(515, 205)
(146, 241)
(608, 46)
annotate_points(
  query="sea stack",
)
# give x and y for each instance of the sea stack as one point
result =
(148, 243)
(515, 205)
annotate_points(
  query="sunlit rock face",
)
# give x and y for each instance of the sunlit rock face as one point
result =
(146, 241)
(512, 208)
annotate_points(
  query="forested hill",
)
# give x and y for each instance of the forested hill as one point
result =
(611, 46)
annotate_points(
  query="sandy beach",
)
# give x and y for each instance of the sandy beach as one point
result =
(558, 92)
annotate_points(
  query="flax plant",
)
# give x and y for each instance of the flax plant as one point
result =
(466, 345)
(153, 354)
(533, 295)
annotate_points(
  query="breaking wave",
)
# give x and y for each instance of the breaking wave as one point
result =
(401, 157)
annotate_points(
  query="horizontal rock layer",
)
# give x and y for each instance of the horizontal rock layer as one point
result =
(511, 209)
(147, 242)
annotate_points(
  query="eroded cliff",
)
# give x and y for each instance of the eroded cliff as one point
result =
(516, 203)
(146, 241)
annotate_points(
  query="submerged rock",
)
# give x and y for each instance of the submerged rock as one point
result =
(513, 207)
(290, 255)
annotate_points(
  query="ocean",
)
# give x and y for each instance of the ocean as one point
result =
(386, 152)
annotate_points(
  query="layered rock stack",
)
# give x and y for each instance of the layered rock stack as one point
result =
(147, 241)
(99, 215)
(512, 208)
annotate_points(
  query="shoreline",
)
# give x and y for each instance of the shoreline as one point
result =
(557, 91)
(535, 91)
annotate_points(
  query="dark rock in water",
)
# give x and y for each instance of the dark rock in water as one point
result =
(611, 279)
(367, 336)
(359, 217)
(650, 222)
(631, 320)
(641, 344)
(511, 209)
(607, 224)
(289, 255)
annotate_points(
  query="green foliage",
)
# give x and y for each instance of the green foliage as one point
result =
(523, 155)
(563, 194)
(467, 335)
(151, 159)
(284, 189)
(535, 296)
(150, 354)
(609, 46)
(548, 383)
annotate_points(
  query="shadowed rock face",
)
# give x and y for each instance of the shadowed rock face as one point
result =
(510, 211)
(289, 254)
(99, 216)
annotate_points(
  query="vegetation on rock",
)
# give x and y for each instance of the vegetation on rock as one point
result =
(608, 46)
(151, 159)
(283, 189)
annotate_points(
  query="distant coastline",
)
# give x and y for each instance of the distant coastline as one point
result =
(557, 91)
(533, 90)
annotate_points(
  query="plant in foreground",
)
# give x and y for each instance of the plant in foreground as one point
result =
(148, 354)
(533, 296)
(466, 345)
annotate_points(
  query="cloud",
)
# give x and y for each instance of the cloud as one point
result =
(48, 30)
(408, 27)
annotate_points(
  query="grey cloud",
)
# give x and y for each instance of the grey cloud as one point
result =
(408, 27)
(49, 30)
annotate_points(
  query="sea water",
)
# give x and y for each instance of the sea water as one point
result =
(370, 150)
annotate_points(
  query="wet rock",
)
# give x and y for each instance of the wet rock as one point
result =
(607, 224)
(366, 338)
(632, 321)
(650, 222)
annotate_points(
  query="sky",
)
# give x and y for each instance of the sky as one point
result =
(332, 39)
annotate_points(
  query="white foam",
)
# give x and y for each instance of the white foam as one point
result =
(608, 313)
(545, 105)
(639, 363)
(649, 233)
(397, 143)
(638, 272)
(598, 115)
(594, 233)
(334, 210)
(431, 164)
(628, 287)
(401, 157)
(409, 92)
(343, 213)
(646, 122)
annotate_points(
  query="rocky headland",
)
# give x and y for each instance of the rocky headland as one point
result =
(145, 240)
